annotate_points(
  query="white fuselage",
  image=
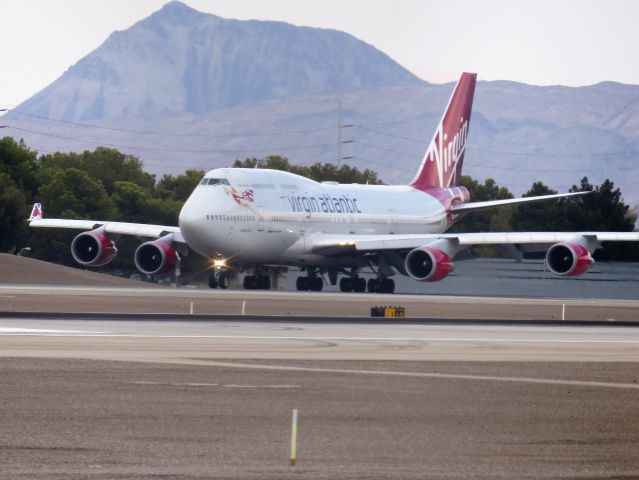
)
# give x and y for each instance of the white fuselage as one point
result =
(265, 216)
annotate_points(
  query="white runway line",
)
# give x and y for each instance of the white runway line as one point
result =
(62, 333)
(43, 332)
(454, 376)
(192, 384)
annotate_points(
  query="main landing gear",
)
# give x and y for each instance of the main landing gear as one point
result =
(312, 282)
(352, 284)
(374, 285)
(381, 285)
(257, 282)
(219, 279)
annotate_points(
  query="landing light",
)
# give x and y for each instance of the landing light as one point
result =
(349, 243)
(217, 263)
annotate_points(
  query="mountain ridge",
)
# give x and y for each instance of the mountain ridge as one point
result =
(179, 59)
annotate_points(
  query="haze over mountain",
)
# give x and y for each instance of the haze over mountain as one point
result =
(211, 90)
(181, 60)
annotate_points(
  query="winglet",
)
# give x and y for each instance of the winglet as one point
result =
(36, 212)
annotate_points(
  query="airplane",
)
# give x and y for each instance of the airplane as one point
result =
(260, 221)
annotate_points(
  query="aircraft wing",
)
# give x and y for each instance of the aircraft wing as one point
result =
(475, 206)
(114, 228)
(342, 244)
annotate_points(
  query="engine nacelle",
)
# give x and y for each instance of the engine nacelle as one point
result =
(428, 264)
(93, 249)
(568, 259)
(155, 257)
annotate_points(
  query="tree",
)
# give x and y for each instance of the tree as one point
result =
(18, 184)
(603, 210)
(136, 203)
(19, 162)
(547, 215)
(13, 213)
(486, 220)
(73, 193)
(104, 164)
(179, 187)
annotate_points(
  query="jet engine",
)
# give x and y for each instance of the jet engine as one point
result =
(568, 259)
(155, 257)
(93, 249)
(428, 264)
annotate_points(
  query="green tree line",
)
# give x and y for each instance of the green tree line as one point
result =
(106, 184)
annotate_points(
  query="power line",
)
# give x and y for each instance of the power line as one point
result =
(171, 134)
(160, 149)
(289, 132)
(421, 142)
(556, 170)
(537, 154)
(526, 154)
(355, 157)
(386, 149)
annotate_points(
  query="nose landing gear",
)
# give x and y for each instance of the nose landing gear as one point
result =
(219, 279)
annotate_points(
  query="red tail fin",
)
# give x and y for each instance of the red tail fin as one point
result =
(442, 164)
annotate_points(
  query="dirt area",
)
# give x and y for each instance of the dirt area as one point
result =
(16, 270)
(65, 419)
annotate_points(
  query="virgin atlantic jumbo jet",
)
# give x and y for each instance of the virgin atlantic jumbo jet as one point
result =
(258, 221)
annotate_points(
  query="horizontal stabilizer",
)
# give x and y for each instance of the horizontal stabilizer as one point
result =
(475, 206)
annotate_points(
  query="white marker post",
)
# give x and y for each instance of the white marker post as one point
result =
(563, 311)
(294, 438)
(243, 307)
(191, 309)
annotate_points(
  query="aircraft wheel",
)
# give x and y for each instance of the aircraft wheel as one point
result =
(263, 282)
(346, 284)
(212, 281)
(359, 284)
(302, 284)
(316, 284)
(373, 285)
(387, 286)
(223, 281)
(250, 282)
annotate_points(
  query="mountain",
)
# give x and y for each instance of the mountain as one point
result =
(182, 60)
(182, 89)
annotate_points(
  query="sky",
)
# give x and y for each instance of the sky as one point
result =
(539, 42)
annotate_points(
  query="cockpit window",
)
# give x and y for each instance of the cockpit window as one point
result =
(214, 181)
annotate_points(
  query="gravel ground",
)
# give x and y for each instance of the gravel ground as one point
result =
(15, 270)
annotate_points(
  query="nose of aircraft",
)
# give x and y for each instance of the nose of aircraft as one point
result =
(191, 222)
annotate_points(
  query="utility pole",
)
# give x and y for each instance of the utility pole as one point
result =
(339, 135)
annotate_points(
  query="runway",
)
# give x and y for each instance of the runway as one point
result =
(199, 342)
(212, 399)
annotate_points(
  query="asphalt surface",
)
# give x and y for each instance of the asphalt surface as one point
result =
(65, 419)
(146, 400)
(202, 342)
